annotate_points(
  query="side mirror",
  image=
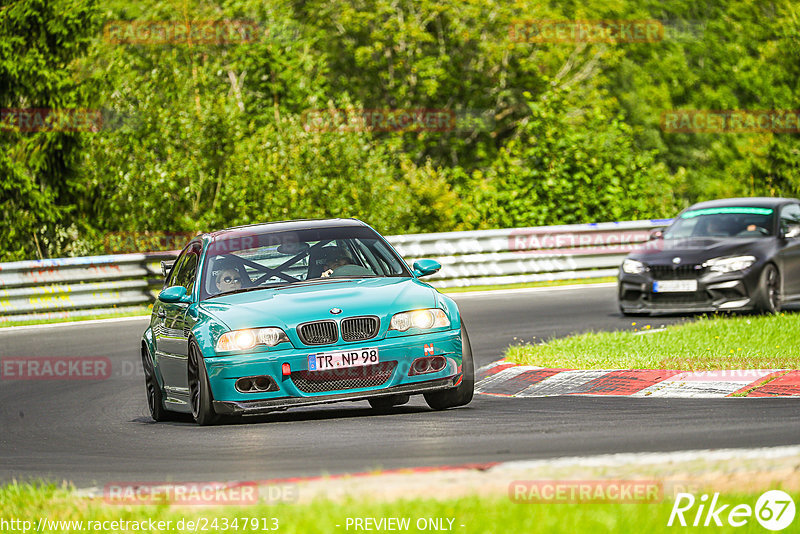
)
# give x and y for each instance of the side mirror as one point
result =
(655, 234)
(166, 267)
(426, 267)
(174, 294)
(792, 231)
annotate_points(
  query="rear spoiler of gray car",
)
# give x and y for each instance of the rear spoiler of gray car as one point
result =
(166, 267)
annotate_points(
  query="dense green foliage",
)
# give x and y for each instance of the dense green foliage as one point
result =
(200, 136)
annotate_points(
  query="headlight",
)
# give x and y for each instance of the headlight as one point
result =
(729, 265)
(422, 319)
(632, 266)
(247, 339)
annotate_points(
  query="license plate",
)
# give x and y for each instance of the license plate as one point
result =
(323, 361)
(674, 286)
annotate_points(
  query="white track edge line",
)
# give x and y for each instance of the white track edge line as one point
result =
(524, 290)
(597, 460)
(71, 323)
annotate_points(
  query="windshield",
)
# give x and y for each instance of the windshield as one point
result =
(238, 262)
(743, 221)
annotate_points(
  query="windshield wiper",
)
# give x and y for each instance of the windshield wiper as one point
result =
(242, 290)
(316, 281)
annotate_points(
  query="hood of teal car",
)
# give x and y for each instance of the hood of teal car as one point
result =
(287, 306)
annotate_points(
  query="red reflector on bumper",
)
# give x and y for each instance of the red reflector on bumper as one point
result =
(286, 369)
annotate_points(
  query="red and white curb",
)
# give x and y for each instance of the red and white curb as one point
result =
(506, 379)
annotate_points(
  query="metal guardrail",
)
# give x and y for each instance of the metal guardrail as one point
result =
(71, 287)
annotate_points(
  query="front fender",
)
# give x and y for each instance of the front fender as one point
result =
(451, 308)
(149, 345)
(149, 342)
(206, 331)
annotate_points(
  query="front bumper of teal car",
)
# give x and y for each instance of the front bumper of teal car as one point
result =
(397, 372)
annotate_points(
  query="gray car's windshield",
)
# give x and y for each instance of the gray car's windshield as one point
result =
(238, 262)
(742, 222)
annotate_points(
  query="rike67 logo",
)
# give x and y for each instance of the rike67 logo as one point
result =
(774, 510)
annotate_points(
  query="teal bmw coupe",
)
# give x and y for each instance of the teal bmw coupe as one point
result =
(267, 317)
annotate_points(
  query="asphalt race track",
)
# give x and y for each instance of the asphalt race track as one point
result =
(95, 432)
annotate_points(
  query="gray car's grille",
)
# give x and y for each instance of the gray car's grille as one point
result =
(318, 333)
(675, 272)
(359, 328)
(347, 378)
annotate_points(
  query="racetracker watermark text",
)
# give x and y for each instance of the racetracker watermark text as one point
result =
(145, 241)
(585, 491)
(379, 120)
(196, 524)
(586, 31)
(730, 121)
(546, 242)
(55, 368)
(50, 120)
(184, 32)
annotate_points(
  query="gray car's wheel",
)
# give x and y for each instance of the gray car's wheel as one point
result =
(155, 397)
(768, 294)
(383, 403)
(461, 394)
(200, 397)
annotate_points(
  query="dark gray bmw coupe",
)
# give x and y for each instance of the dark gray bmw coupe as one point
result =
(731, 254)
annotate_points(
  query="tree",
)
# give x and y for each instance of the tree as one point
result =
(41, 196)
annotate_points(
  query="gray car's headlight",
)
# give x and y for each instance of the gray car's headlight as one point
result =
(249, 338)
(729, 265)
(632, 266)
(422, 319)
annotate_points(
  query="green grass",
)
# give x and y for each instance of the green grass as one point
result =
(710, 343)
(478, 515)
(546, 283)
(145, 310)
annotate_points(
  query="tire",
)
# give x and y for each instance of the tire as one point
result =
(384, 403)
(461, 394)
(155, 397)
(200, 398)
(768, 294)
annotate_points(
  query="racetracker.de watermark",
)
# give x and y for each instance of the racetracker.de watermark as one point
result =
(185, 32)
(585, 491)
(211, 493)
(545, 242)
(379, 120)
(145, 241)
(50, 120)
(55, 368)
(28, 120)
(586, 31)
(731, 121)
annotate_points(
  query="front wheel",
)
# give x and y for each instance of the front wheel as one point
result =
(768, 294)
(461, 394)
(199, 389)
